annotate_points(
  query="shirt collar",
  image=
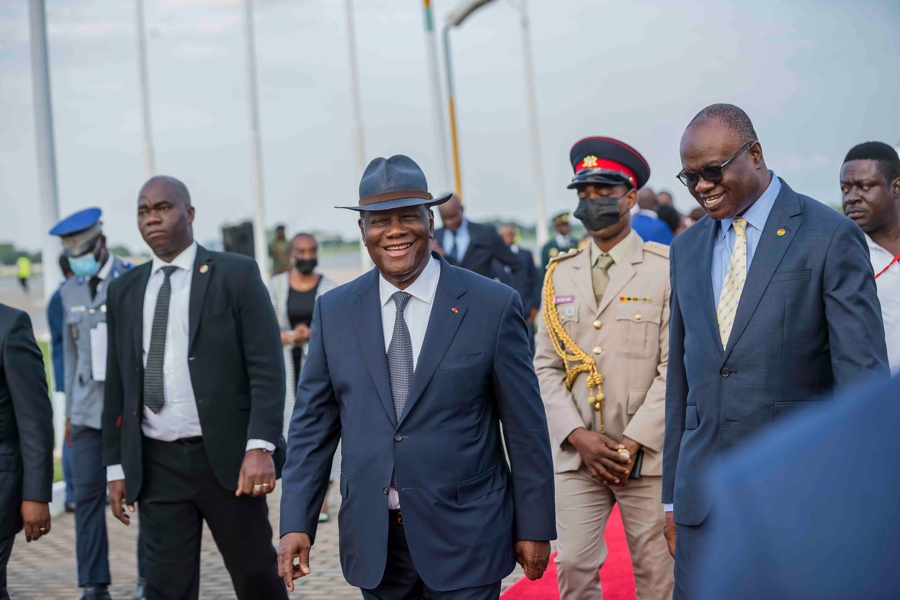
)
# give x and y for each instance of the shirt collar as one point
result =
(103, 273)
(423, 288)
(185, 260)
(648, 213)
(617, 252)
(757, 215)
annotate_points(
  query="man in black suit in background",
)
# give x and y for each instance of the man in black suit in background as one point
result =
(26, 437)
(529, 283)
(193, 409)
(472, 246)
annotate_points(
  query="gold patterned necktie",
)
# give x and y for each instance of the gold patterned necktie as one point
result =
(600, 275)
(734, 282)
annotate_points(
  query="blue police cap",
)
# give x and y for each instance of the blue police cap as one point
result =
(78, 230)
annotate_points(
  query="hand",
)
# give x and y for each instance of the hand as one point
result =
(633, 448)
(532, 315)
(36, 516)
(117, 499)
(301, 334)
(68, 433)
(258, 468)
(287, 338)
(669, 532)
(437, 247)
(600, 456)
(291, 546)
(534, 558)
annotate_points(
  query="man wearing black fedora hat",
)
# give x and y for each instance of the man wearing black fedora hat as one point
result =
(413, 366)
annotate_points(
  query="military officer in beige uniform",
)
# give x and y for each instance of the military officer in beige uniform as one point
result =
(602, 351)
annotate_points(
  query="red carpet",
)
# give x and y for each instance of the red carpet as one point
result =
(616, 577)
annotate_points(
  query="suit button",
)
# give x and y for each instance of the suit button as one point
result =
(385, 491)
(598, 350)
(597, 324)
(725, 372)
(397, 437)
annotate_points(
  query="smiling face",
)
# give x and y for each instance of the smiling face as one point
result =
(867, 197)
(399, 242)
(744, 179)
(165, 216)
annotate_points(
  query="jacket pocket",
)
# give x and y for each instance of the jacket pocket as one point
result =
(477, 487)
(642, 320)
(461, 362)
(786, 409)
(344, 486)
(797, 275)
(691, 420)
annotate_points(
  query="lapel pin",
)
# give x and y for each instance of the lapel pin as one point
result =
(205, 268)
(780, 232)
(454, 310)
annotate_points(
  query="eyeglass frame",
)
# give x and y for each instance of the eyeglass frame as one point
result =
(718, 178)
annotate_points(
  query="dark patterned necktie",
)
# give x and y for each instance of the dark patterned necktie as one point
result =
(400, 361)
(154, 395)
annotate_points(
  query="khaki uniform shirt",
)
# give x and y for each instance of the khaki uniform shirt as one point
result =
(628, 336)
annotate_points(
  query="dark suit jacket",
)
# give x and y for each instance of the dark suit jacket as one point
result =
(528, 283)
(485, 246)
(55, 323)
(808, 321)
(235, 361)
(26, 421)
(786, 527)
(463, 509)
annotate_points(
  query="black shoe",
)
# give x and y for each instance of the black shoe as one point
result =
(142, 588)
(95, 591)
(70, 507)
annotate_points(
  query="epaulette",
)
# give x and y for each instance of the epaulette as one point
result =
(567, 254)
(657, 248)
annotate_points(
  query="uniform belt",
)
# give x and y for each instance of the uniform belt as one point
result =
(189, 440)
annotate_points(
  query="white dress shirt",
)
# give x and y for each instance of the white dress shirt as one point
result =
(416, 315)
(888, 284)
(178, 418)
(458, 242)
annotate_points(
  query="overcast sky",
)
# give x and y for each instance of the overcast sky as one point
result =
(816, 77)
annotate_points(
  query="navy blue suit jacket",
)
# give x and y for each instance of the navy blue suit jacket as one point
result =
(802, 514)
(808, 321)
(651, 230)
(463, 508)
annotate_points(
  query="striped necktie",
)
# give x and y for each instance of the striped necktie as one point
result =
(734, 282)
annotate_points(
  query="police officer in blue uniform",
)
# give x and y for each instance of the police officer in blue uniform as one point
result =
(84, 348)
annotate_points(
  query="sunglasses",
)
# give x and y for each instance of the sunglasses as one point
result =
(710, 174)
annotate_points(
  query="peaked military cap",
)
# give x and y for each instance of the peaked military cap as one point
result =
(79, 231)
(607, 161)
(561, 218)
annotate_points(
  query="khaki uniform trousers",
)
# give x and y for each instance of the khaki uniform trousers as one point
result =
(583, 506)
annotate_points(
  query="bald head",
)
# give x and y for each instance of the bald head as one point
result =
(647, 199)
(165, 216)
(451, 213)
(168, 186)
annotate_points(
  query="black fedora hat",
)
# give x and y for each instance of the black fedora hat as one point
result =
(394, 182)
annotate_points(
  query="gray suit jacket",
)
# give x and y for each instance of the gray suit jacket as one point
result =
(808, 322)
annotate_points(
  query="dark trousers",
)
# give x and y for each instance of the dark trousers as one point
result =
(691, 542)
(68, 475)
(178, 493)
(91, 543)
(401, 580)
(5, 550)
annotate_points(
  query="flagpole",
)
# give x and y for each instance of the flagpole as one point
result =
(365, 261)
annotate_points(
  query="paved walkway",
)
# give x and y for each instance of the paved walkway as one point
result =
(45, 570)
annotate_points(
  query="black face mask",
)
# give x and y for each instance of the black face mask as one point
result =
(598, 213)
(305, 265)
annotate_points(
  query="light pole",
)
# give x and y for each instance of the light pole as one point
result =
(364, 259)
(455, 19)
(149, 157)
(46, 150)
(259, 230)
(437, 112)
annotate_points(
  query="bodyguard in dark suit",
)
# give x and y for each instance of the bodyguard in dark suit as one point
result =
(414, 366)
(26, 437)
(773, 306)
(194, 402)
(802, 536)
(472, 246)
(529, 283)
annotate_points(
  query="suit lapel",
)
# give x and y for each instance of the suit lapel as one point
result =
(702, 279)
(622, 274)
(583, 282)
(199, 283)
(136, 305)
(442, 326)
(785, 215)
(366, 314)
